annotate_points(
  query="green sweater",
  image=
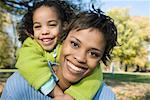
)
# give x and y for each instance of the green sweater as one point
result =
(32, 64)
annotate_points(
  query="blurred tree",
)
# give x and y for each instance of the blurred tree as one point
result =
(132, 40)
(131, 37)
(85, 4)
(8, 48)
(6, 45)
(141, 60)
(6, 51)
(20, 6)
(16, 7)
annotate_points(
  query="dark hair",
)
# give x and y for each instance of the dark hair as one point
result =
(64, 10)
(105, 24)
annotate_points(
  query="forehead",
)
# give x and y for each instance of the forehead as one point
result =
(45, 11)
(91, 37)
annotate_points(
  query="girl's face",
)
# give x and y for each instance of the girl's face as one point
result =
(81, 52)
(46, 26)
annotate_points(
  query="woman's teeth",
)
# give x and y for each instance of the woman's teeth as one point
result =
(73, 67)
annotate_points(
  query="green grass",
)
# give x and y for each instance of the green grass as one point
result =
(5, 73)
(120, 77)
(128, 77)
(7, 70)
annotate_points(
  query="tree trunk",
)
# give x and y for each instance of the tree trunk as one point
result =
(126, 68)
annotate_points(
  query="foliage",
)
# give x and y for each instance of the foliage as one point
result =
(3, 20)
(132, 36)
(132, 39)
(6, 51)
(17, 7)
(6, 45)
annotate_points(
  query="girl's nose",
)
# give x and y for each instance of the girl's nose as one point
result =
(45, 31)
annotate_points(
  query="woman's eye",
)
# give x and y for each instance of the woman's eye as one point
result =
(94, 54)
(74, 44)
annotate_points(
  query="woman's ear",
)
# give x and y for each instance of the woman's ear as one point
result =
(99, 61)
(65, 24)
(64, 33)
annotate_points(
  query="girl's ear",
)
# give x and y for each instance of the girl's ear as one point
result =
(29, 34)
(100, 61)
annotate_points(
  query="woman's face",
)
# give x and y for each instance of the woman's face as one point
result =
(81, 52)
(46, 27)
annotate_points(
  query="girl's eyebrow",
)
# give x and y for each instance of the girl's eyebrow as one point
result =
(53, 21)
(48, 21)
(36, 23)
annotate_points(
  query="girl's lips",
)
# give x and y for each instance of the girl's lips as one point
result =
(47, 41)
(74, 69)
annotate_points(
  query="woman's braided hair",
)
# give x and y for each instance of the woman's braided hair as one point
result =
(95, 18)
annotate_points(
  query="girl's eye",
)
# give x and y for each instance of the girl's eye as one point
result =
(37, 26)
(74, 44)
(52, 24)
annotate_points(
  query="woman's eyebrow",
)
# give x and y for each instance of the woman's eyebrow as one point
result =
(97, 50)
(76, 39)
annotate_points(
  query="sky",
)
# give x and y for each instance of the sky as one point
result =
(136, 7)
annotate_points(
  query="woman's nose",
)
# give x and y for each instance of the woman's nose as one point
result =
(80, 56)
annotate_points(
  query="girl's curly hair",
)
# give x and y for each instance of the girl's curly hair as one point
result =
(64, 10)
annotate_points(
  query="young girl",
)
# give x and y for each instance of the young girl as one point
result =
(44, 23)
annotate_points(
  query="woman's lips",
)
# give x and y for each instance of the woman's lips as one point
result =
(74, 69)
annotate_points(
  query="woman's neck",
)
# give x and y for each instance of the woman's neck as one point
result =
(63, 83)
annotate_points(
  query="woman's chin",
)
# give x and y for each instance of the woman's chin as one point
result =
(71, 78)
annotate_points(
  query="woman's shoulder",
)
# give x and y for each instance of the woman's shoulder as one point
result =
(17, 88)
(105, 93)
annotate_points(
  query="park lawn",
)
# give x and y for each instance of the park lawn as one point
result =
(5, 73)
(128, 77)
(7, 70)
(129, 86)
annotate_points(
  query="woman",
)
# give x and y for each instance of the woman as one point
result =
(91, 37)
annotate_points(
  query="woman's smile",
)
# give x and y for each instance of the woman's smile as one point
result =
(74, 68)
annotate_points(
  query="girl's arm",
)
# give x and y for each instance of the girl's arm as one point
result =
(87, 87)
(32, 64)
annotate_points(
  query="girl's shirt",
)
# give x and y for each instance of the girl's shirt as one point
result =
(32, 63)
